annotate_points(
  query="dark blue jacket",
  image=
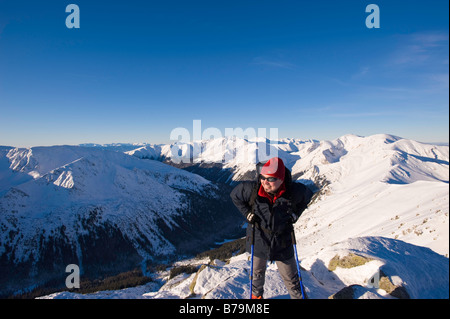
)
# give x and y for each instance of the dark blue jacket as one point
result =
(273, 229)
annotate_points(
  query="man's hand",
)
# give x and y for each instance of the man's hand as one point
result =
(252, 218)
(294, 217)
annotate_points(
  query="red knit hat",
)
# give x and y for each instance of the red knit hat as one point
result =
(274, 167)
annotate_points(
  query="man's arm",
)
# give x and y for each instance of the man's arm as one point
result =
(240, 196)
(301, 197)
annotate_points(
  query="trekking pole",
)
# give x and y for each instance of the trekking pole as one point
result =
(294, 242)
(251, 266)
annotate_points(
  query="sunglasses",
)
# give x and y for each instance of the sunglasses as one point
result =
(269, 179)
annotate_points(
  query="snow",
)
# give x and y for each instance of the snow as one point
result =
(370, 182)
(384, 198)
(57, 185)
(402, 262)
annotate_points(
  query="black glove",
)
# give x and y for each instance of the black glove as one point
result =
(293, 216)
(252, 218)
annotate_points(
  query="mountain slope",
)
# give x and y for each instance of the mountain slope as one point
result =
(103, 210)
(377, 186)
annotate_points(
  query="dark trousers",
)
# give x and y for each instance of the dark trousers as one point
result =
(288, 271)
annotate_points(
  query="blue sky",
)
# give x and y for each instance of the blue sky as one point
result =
(136, 70)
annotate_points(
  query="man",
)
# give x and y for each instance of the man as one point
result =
(272, 205)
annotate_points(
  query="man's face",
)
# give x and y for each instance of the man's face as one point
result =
(270, 187)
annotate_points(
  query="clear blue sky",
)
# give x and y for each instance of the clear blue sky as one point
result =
(135, 70)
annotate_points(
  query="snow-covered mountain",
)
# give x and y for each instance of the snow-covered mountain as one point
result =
(402, 182)
(382, 198)
(102, 210)
(234, 157)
